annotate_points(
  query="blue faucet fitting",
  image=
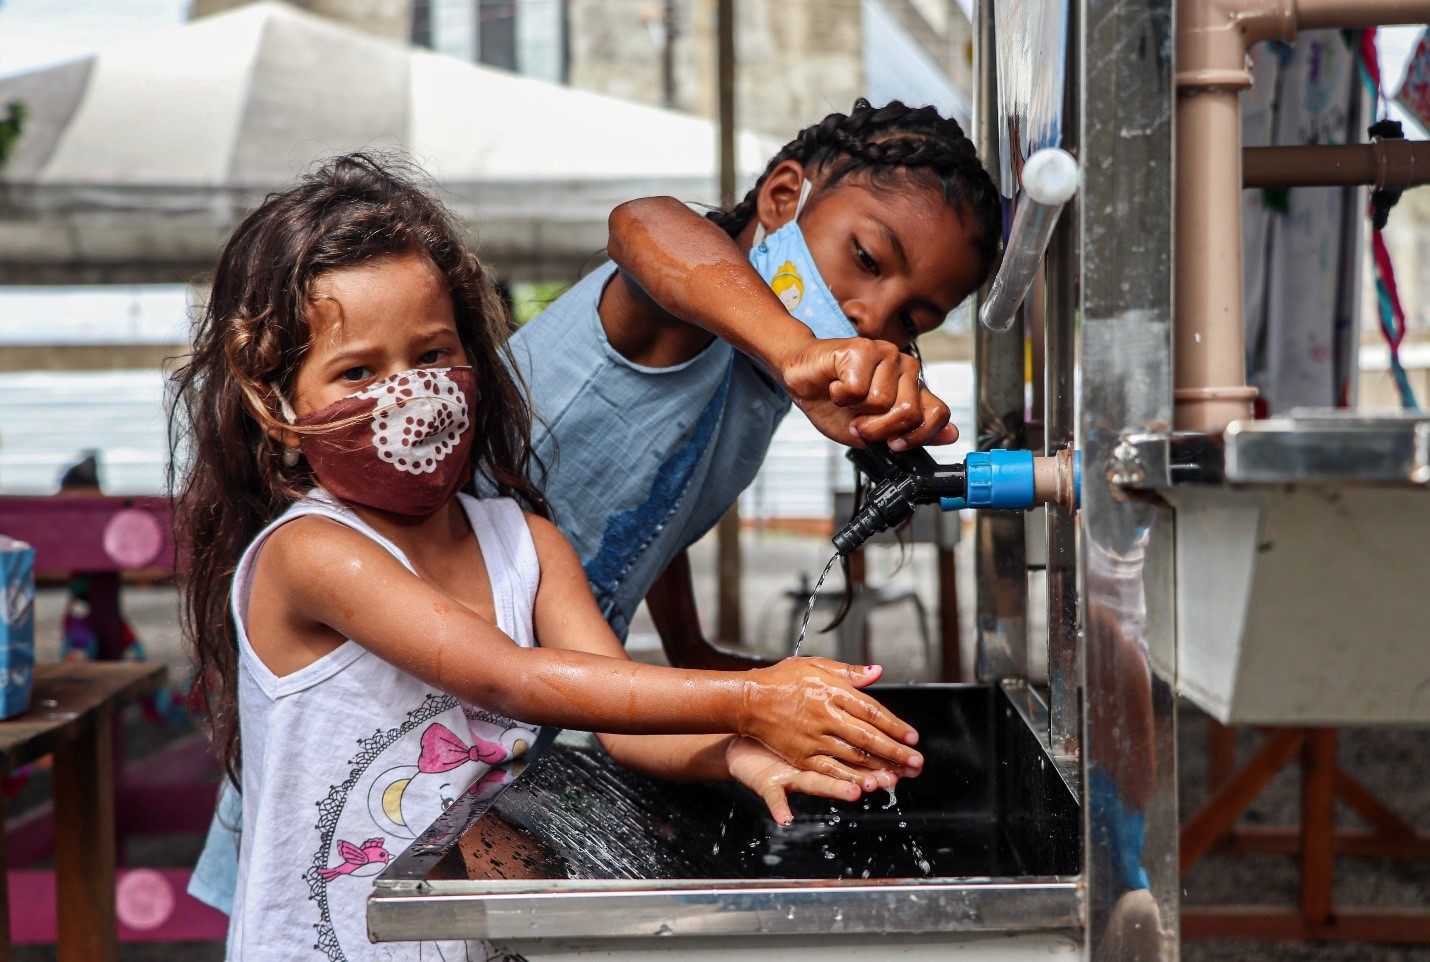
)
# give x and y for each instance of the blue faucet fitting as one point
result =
(999, 479)
(1005, 480)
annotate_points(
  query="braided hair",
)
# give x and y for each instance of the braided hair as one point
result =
(881, 141)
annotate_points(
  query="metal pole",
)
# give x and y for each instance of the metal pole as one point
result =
(999, 553)
(728, 621)
(725, 83)
(1125, 221)
(1059, 433)
(667, 56)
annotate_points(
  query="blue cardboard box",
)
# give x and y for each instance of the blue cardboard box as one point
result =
(17, 625)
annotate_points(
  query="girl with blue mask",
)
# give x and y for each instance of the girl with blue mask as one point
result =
(865, 230)
(868, 228)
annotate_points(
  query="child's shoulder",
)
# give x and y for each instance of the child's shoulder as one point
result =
(314, 539)
(546, 537)
(494, 505)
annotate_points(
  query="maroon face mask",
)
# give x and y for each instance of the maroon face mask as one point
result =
(401, 445)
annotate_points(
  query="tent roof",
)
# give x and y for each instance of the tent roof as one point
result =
(137, 160)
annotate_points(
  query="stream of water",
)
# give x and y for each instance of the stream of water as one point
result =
(809, 608)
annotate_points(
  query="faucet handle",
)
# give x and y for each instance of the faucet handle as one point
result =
(877, 463)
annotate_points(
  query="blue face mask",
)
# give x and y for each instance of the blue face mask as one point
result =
(784, 261)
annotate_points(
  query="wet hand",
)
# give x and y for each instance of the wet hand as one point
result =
(811, 713)
(857, 389)
(772, 778)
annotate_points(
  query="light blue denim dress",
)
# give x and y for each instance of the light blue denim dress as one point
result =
(640, 463)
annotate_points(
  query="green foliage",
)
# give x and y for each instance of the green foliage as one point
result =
(10, 128)
(529, 300)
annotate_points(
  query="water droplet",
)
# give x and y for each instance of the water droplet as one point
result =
(664, 930)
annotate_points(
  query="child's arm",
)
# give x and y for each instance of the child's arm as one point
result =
(809, 711)
(566, 617)
(849, 388)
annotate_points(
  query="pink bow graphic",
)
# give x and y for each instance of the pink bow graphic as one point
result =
(443, 751)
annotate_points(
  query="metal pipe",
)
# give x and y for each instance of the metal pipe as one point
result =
(1382, 164)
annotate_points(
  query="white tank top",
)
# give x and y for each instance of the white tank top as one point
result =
(349, 759)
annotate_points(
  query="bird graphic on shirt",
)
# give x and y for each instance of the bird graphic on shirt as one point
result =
(369, 855)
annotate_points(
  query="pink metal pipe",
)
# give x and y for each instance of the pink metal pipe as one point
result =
(1211, 389)
(1213, 37)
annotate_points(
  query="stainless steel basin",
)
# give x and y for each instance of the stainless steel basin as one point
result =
(576, 847)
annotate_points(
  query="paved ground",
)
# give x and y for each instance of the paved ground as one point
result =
(1393, 763)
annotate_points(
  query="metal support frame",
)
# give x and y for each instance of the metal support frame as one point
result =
(729, 613)
(1125, 89)
(999, 551)
(1316, 841)
(1059, 434)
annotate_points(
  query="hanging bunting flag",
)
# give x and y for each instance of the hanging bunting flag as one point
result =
(1388, 307)
(1414, 95)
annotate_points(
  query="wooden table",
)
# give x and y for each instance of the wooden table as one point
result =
(71, 716)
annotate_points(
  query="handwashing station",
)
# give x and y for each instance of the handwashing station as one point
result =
(1265, 569)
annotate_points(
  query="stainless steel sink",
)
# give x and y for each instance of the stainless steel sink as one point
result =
(575, 847)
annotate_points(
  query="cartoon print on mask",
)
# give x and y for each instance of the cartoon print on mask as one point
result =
(414, 433)
(788, 286)
(401, 782)
(783, 259)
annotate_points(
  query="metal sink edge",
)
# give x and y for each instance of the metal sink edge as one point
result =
(595, 909)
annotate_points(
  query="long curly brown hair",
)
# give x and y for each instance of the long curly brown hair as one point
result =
(227, 475)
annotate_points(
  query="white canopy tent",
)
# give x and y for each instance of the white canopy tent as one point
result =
(138, 160)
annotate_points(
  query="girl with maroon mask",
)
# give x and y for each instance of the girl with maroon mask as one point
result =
(373, 638)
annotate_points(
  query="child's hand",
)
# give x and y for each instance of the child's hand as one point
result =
(810, 712)
(772, 778)
(856, 389)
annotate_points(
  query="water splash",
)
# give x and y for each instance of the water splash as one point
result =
(813, 596)
(724, 824)
(920, 859)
